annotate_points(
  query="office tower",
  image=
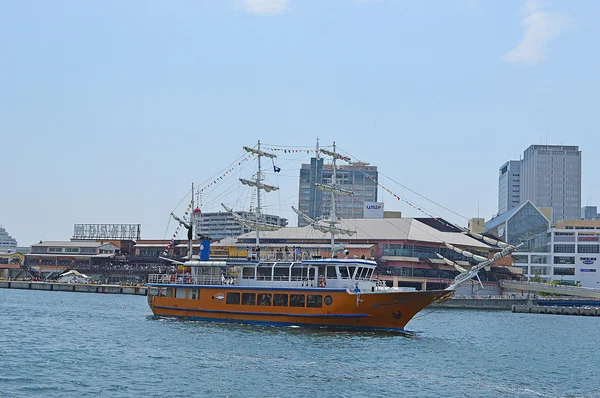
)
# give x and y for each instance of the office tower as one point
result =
(509, 186)
(551, 177)
(361, 178)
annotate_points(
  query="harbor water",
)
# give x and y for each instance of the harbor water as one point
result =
(55, 344)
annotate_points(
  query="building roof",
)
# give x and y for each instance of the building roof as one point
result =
(70, 243)
(501, 219)
(375, 229)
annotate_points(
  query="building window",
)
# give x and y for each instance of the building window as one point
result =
(564, 260)
(564, 248)
(588, 248)
(564, 271)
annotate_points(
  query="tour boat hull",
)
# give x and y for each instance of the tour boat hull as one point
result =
(311, 307)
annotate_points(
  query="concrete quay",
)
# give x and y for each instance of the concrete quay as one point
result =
(556, 310)
(74, 287)
(472, 303)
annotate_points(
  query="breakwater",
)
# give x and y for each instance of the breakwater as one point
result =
(556, 310)
(75, 287)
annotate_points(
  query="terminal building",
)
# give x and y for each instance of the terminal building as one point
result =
(567, 250)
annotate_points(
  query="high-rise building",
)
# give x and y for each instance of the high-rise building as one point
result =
(551, 177)
(589, 213)
(509, 186)
(360, 178)
(7, 242)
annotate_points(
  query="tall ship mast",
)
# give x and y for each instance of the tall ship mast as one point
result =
(257, 224)
(331, 224)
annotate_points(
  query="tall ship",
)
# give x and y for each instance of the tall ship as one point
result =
(312, 292)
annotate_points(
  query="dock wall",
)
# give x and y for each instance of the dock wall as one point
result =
(74, 287)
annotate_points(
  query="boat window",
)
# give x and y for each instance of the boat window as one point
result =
(249, 298)
(359, 271)
(180, 293)
(351, 271)
(344, 272)
(299, 273)
(331, 274)
(264, 299)
(233, 298)
(194, 294)
(263, 274)
(280, 300)
(248, 272)
(281, 274)
(369, 273)
(169, 292)
(296, 300)
(328, 300)
(314, 301)
(287, 265)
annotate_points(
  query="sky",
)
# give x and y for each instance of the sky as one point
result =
(109, 110)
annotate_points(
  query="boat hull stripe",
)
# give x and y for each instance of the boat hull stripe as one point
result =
(268, 323)
(263, 313)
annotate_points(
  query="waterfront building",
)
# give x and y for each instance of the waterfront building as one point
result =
(360, 178)
(54, 257)
(567, 250)
(509, 186)
(219, 225)
(551, 177)
(8, 244)
(589, 213)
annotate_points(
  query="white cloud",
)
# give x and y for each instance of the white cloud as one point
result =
(541, 27)
(266, 7)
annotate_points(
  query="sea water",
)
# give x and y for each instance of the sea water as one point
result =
(55, 344)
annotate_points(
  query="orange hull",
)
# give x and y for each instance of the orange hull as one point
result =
(320, 307)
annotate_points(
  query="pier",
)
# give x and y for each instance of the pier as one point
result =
(74, 287)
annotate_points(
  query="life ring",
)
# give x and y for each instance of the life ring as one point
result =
(322, 282)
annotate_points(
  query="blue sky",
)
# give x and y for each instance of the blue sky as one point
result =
(109, 110)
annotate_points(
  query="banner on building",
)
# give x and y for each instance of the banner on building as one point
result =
(373, 210)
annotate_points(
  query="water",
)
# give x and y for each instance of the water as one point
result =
(55, 344)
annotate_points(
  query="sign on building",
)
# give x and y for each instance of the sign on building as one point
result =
(107, 231)
(373, 210)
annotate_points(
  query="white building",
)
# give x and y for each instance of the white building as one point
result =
(8, 244)
(567, 251)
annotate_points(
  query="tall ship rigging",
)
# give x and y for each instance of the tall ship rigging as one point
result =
(336, 292)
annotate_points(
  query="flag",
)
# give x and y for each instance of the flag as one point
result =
(276, 169)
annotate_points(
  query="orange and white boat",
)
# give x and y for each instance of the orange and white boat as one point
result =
(337, 293)
(332, 292)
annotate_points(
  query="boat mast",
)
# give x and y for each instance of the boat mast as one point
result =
(191, 229)
(257, 209)
(332, 213)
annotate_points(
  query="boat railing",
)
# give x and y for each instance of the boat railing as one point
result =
(179, 279)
